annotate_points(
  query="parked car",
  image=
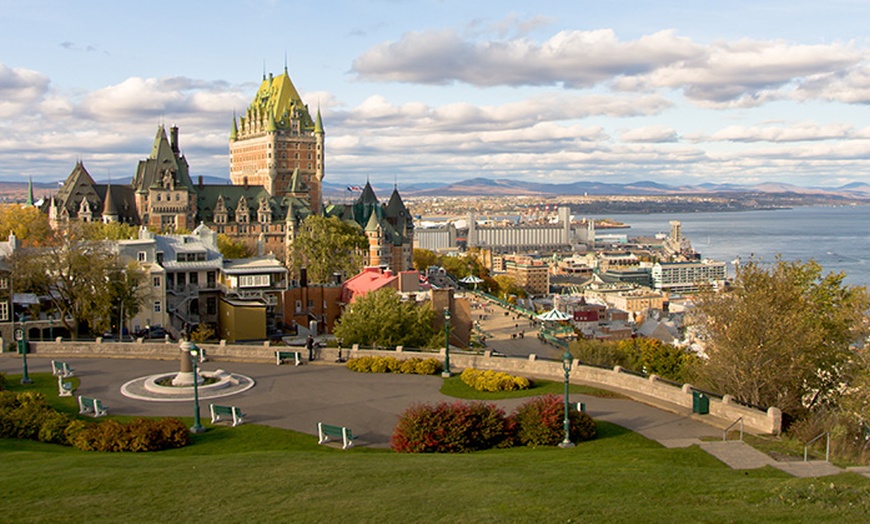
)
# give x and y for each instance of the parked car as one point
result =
(154, 332)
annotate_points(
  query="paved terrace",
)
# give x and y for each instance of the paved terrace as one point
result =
(297, 397)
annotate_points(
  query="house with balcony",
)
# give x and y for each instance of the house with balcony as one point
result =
(248, 286)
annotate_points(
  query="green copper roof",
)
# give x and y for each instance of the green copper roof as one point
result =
(277, 100)
(318, 125)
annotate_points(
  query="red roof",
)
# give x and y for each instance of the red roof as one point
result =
(371, 279)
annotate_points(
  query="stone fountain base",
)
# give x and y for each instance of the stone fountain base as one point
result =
(147, 388)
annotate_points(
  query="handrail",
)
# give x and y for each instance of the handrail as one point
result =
(725, 432)
(827, 446)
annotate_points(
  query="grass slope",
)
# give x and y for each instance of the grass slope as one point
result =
(267, 474)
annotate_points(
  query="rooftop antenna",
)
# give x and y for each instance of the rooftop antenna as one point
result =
(285, 61)
(264, 69)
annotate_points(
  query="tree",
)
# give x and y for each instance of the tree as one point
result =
(230, 248)
(423, 259)
(508, 286)
(326, 246)
(74, 273)
(382, 318)
(127, 290)
(781, 336)
(110, 231)
(30, 226)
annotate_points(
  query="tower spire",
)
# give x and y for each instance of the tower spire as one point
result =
(29, 201)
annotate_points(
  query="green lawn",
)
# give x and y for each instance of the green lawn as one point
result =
(256, 473)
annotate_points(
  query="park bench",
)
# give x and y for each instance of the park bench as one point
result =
(92, 405)
(226, 411)
(61, 369)
(281, 356)
(327, 431)
(64, 389)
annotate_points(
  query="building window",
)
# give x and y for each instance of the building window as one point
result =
(211, 305)
(253, 280)
(157, 306)
(142, 257)
(4, 283)
(194, 279)
(4, 311)
(155, 281)
(298, 306)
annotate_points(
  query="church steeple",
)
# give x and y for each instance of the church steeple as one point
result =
(29, 201)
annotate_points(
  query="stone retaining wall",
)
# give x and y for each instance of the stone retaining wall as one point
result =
(650, 388)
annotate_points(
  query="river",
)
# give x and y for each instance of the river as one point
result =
(836, 237)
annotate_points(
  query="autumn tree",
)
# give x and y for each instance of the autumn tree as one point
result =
(30, 226)
(326, 246)
(78, 276)
(110, 231)
(382, 318)
(781, 335)
(230, 248)
(424, 258)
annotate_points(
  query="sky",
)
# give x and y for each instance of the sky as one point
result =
(426, 91)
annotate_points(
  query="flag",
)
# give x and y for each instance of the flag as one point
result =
(354, 188)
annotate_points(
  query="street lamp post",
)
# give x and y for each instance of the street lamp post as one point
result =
(21, 337)
(446, 373)
(567, 360)
(51, 327)
(193, 354)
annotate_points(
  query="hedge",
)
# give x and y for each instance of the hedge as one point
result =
(490, 380)
(411, 366)
(27, 415)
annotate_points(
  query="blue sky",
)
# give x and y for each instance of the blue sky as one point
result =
(619, 91)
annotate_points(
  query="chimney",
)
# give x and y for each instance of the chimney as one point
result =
(200, 181)
(245, 179)
(303, 277)
(173, 138)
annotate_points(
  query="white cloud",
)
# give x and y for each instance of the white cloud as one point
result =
(20, 89)
(743, 73)
(799, 132)
(656, 133)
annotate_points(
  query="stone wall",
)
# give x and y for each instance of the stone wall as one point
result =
(651, 389)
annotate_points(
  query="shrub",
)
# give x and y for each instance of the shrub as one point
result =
(140, 434)
(2, 381)
(370, 364)
(450, 428)
(493, 380)
(29, 416)
(540, 422)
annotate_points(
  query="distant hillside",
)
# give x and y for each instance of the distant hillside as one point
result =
(16, 191)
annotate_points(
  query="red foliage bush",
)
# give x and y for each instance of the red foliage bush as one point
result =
(541, 422)
(450, 428)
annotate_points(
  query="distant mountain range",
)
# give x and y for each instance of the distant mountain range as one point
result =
(504, 187)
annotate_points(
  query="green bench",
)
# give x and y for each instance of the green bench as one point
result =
(92, 405)
(64, 389)
(325, 432)
(295, 356)
(61, 369)
(226, 411)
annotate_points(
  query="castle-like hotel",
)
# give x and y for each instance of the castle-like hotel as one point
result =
(277, 159)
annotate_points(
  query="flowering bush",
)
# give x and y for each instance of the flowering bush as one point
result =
(493, 380)
(418, 366)
(541, 422)
(450, 428)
